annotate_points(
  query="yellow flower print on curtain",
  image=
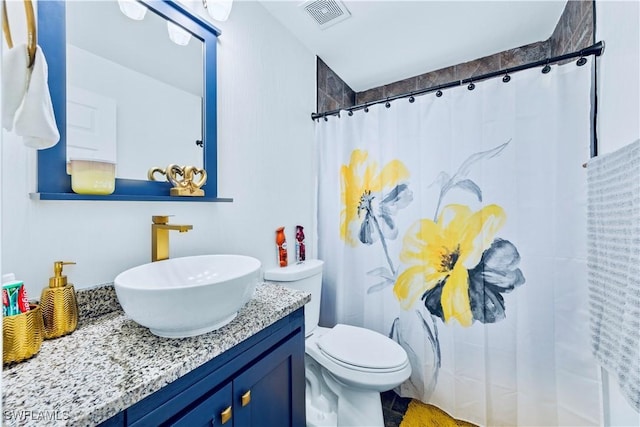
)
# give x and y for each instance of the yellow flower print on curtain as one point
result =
(442, 252)
(370, 197)
(453, 264)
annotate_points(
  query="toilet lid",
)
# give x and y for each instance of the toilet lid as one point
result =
(362, 348)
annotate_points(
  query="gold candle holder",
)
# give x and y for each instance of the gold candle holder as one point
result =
(22, 335)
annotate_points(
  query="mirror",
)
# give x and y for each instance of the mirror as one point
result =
(65, 44)
(134, 97)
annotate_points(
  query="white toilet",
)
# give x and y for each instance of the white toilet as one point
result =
(346, 367)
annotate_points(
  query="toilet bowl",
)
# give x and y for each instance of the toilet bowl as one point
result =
(346, 367)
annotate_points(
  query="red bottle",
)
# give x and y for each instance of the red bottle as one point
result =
(300, 249)
(281, 245)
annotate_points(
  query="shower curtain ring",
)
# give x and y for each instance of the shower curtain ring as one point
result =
(471, 86)
(387, 104)
(439, 93)
(366, 108)
(582, 60)
(412, 99)
(546, 68)
(506, 78)
(350, 113)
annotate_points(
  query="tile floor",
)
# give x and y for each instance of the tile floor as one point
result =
(393, 408)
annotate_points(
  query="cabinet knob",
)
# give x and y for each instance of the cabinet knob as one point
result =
(225, 415)
(246, 398)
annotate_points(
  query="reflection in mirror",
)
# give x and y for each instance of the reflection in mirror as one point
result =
(134, 97)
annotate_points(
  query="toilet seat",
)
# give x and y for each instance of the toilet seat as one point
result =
(361, 349)
(364, 369)
(351, 372)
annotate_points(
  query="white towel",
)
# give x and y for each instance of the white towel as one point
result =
(613, 265)
(35, 120)
(15, 75)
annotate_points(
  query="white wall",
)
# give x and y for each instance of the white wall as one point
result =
(266, 91)
(618, 24)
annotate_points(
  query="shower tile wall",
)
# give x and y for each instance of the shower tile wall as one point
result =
(573, 32)
(333, 93)
(575, 29)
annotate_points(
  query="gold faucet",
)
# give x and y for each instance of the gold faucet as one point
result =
(160, 236)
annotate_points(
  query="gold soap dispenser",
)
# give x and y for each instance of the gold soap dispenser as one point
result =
(58, 304)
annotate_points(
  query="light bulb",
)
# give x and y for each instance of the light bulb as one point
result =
(132, 9)
(177, 34)
(218, 9)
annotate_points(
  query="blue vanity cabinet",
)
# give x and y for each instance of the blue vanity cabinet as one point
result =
(266, 394)
(259, 382)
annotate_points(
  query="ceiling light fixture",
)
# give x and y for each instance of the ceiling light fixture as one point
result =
(132, 9)
(218, 9)
(177, 34)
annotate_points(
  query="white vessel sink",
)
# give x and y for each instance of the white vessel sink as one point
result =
(184, 297)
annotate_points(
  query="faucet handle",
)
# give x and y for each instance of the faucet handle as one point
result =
(160, 219)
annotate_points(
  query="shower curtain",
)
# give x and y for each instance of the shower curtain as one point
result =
(455, 225)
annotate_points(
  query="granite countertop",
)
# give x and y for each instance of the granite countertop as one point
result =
(110, 362)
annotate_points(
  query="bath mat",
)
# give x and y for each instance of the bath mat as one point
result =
(423, 415)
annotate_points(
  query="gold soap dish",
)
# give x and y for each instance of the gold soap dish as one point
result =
(186, 180)
(22, 335)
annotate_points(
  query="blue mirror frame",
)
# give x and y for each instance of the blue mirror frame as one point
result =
(53, 181)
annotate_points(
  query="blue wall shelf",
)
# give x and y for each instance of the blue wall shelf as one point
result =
(126, 197)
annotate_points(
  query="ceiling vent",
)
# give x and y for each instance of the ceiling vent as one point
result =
(326, 12)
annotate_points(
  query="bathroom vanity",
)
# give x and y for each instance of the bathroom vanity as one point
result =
(111, 371)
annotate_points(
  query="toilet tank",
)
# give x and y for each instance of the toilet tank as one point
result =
(307, 277)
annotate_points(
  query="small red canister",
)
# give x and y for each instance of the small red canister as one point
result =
(281, 246)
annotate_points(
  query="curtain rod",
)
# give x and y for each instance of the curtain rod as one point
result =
(596, 49)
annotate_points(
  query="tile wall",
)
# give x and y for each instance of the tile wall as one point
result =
(333, 93)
